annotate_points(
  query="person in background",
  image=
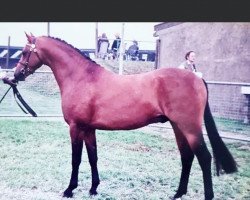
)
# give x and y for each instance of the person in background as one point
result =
(3, 74)
(115, 46)
(102, 46)
(189, 64)
(133, 51)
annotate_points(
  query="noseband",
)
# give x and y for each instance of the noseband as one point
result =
(26, 69)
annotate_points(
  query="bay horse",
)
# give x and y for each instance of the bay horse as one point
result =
(95, 98)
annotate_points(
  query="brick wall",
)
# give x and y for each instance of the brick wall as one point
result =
(227, 101)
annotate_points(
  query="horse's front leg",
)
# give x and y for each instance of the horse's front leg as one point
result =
(77, 144)
(90, 142)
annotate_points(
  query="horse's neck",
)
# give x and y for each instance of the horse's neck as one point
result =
(67, 66)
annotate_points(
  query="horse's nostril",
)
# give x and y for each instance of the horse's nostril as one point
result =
(19, 76)
(16, 76)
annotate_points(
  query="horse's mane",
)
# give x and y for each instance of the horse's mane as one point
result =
(80, 52)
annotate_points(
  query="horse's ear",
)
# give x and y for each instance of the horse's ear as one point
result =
(31, 34)
(26, 34)
(29, 37)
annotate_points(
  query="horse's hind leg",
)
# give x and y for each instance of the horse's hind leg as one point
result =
(90, 142)
(204, 159)
(197, 144)
(77, 144)
(187, 157)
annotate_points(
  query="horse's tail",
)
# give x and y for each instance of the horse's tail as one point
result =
(223, 158)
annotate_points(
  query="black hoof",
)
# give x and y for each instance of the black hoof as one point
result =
(93, 192)
(179, 194)
(68, 193)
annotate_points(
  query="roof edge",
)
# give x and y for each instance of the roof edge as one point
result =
(165, 25)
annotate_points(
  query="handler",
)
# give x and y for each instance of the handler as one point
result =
(188, 64)
(3, 74)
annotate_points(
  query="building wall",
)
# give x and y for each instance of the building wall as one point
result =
(227, 101)
(222, 49)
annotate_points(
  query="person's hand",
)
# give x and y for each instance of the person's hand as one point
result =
(3, 74)
(11, 82)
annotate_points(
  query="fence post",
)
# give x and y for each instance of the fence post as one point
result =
(96, 40)
(48, 29)
(121, 51)
(8, 54)
(157, 53)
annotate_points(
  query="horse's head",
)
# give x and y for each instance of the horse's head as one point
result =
(29, 60)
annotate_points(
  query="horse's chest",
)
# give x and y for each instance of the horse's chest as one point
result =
(77, 108)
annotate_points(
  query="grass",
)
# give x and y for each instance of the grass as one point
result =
(36, 165)
(234, 126)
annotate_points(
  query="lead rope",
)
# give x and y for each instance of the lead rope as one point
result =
(17, 94)
(5, 94)
(28, 108)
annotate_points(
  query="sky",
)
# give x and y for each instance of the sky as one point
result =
(80, 34)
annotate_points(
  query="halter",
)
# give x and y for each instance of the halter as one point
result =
(26, 69)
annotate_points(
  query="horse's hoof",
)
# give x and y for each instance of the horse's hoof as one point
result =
(93, 192)
(178, 195)
(68, 193)
(179, 198)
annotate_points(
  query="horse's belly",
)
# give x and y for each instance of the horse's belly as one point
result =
(119, 125)
(126, 121)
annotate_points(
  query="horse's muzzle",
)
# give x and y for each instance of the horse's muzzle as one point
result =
(19, 76)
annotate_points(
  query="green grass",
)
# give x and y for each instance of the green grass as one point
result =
(234, 126)
(36, 165)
